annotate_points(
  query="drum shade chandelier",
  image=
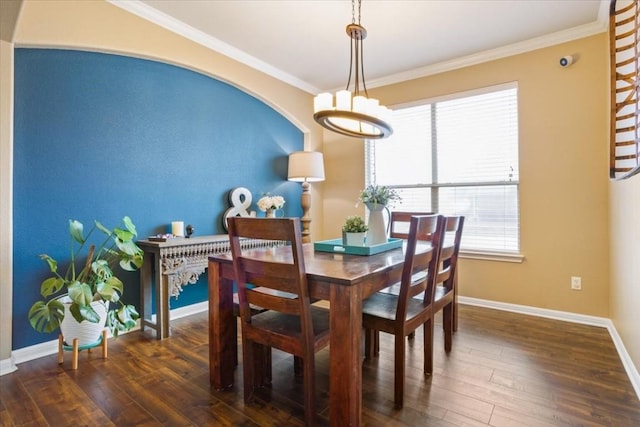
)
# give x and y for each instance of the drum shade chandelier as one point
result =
(353, 114)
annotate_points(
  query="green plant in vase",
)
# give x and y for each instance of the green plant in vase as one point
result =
(89, 280)
(354, 231)
(354, 224)
(377, 198)
(381, 195)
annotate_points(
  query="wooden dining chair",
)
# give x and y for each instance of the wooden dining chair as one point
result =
(403, 313)
(291, 323)
(399, 226)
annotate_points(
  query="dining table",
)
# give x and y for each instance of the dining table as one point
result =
(344, 280)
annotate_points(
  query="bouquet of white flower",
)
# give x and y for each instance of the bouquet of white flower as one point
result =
(270, 202)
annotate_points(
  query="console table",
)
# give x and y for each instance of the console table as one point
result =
(169, 265)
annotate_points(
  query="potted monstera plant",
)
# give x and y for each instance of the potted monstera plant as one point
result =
(77, 301)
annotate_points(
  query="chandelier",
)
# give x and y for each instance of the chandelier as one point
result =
(354, 113)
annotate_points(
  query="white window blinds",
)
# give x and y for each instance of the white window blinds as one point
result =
(457, 156)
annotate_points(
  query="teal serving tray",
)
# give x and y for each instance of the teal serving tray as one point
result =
(335, 246)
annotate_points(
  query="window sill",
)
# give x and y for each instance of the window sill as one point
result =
(493, 256)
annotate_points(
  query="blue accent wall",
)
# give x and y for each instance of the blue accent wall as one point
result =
(101, 136)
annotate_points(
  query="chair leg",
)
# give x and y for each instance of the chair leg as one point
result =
(376, 342)
(447, 324)
(298, 366)
(309, 376)
(455, 302)
(428, 347)
(262, 365)
(399, 371)
(266, 366)
(248, 348)
(369, 343)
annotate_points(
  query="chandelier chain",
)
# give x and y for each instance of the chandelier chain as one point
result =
(353, 11)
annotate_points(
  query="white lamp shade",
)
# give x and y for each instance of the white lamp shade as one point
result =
(306, 166)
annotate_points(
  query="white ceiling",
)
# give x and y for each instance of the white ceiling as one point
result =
(304, 42)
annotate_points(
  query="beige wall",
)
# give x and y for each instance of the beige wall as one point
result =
(563, 176)
(6, 205)
(625, 263)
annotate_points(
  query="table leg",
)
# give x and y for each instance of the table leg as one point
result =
(345, 388)
(223, 331)
(162, 310)
(162, 301)
(145, 291)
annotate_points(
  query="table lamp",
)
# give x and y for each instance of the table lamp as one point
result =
(306, 167)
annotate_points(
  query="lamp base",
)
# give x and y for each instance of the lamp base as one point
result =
(306, 206)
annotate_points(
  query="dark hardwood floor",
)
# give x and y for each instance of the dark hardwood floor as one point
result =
(505, 369)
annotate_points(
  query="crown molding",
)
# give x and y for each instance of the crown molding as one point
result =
(148, 13)
(547, 40)
(167, 22)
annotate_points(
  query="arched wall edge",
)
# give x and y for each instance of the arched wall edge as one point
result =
(277, 107)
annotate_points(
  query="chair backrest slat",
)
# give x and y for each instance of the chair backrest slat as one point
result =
(282, 302)
(400, 222)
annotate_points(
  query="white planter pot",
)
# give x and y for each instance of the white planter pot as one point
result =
(86, 332)
(354, 239)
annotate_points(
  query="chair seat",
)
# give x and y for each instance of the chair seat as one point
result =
(384, 305)
(440, 293)
(289, 325)
(395, 288)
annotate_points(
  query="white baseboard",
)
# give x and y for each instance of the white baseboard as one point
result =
(47, 348)
(7, 366)
(603, 322)
(199, 307)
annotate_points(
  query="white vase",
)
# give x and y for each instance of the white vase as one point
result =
(377, 233)
(271, 213)
(86, 332)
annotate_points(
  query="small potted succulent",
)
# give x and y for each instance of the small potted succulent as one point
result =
(354, 231)
(79, 297)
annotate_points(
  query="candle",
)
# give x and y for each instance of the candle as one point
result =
(177, 228)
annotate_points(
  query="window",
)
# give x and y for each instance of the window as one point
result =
(457, 156)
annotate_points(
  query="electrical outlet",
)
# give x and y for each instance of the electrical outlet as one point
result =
(576, 283)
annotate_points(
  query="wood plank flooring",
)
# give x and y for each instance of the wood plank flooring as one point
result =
(505, 370)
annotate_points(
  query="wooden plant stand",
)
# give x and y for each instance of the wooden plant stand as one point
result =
(75, 348)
